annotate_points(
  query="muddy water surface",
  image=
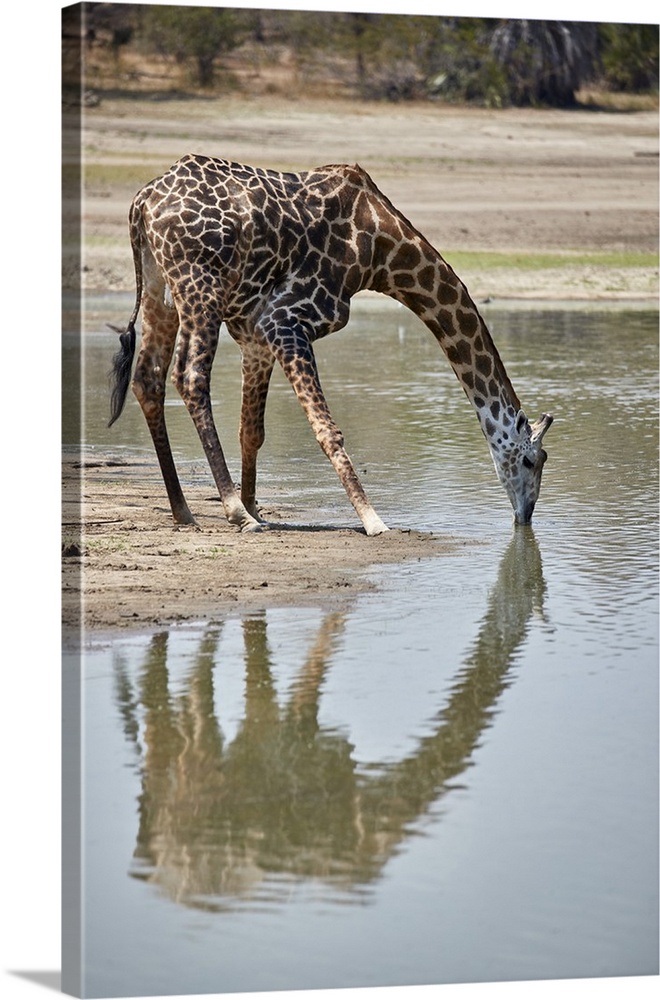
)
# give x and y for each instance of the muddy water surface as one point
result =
(452, 779)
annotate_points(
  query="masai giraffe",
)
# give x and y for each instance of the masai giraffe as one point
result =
(277, 257)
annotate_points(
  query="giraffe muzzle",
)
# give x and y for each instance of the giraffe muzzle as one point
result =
(524, 514)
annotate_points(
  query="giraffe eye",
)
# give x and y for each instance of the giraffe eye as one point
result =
(527, 462)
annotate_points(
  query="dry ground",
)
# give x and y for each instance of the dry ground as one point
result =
(132, 566)
(550, 191)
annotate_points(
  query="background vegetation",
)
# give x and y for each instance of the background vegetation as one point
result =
(373, 56)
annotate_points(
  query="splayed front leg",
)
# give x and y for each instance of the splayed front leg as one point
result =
(299, 366)
(345, 470)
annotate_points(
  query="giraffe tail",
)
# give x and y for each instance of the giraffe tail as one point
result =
(122, 364)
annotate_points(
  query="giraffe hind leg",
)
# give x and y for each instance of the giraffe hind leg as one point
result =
(257, 367)
(195, 352)
(160, 323)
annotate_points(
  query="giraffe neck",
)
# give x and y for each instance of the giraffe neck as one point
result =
(421, 279)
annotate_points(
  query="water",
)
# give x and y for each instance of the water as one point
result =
(451, 780)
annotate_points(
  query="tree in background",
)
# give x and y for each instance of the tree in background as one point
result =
(491, 62)
(630, 56)
(457, 63)
(197, 35)
(372, 54)
(545, 62)
(388, 56)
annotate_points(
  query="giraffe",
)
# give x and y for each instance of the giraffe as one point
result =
(277, 257)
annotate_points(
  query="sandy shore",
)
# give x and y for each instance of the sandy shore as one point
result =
(131, 565)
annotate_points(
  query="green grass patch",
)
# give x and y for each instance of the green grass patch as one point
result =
(492, 261)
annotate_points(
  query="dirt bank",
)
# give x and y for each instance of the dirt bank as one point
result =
(131, 566)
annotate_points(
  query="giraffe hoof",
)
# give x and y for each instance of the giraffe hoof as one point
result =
(374, 526)
(253, 527)
(185, 518)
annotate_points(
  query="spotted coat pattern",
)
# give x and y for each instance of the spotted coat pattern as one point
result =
(277, 258)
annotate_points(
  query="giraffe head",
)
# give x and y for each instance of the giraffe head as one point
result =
(519, 464)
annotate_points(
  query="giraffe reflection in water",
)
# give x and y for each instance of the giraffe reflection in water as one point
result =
(220, 822)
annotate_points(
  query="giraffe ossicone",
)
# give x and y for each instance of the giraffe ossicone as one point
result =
(277, 257)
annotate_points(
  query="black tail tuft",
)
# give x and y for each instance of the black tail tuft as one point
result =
(120, 372)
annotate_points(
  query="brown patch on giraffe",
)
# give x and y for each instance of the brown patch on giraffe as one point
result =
(484, 365)
(405, 280)
(480, 386)
(364, 247)
(447, 294)
(426, 278)
(460, 352)
(407, 258)
(468, 322)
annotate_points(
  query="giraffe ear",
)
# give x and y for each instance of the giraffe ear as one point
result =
(541, 426)
(521, 421)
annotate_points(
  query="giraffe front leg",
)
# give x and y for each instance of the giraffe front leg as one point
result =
(332, 443)
(300, 369)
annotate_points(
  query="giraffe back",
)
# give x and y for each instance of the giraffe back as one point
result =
(241, 234)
